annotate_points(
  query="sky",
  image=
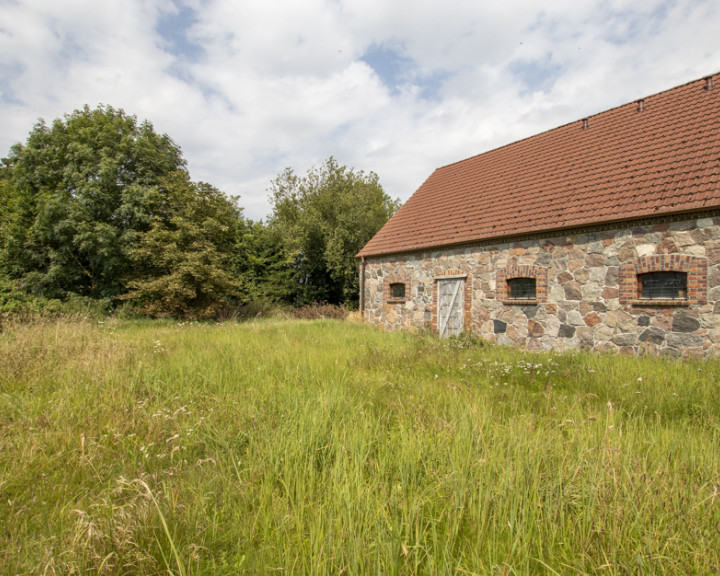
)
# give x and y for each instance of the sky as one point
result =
(247, 88)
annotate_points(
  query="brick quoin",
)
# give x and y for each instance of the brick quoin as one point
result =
(501, 287)
(434, 307)
(468, 303)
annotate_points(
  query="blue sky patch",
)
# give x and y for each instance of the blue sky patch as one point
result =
(391, 66)
(9, 72)
(396, 70)
(628, 25)
(536, 75)
(173, 28)
(430, 84)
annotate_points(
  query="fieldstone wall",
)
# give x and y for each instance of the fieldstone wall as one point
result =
(587, 296)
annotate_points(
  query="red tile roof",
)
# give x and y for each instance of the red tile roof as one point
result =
(634, 161)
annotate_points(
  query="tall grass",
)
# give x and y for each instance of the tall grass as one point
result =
(325, 447)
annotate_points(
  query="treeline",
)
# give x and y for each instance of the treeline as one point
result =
(97, 207)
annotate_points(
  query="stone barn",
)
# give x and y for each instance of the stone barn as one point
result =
(602, 234)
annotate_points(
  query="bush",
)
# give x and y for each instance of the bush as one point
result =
(318, 310)
(17, 305)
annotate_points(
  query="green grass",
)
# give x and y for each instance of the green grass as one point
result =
(330, 448)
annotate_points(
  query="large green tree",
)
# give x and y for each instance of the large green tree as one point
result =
(260, 265)
(183, 262)
(74, 199)
(322, 221)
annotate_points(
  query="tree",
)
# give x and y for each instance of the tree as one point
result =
(183, 261)
(75, 198)
(323, 220)
(259, 264)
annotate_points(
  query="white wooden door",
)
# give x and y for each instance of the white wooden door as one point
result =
(451, 306)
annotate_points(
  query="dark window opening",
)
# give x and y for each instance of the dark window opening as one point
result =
(397, 290)
(523, 288)
(663, 285)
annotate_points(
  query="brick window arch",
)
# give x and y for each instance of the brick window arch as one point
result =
(396, 288)
(695, 267)
(515, 271)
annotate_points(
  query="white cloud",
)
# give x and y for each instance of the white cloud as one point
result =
(260, 85)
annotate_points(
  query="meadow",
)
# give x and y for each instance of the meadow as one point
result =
(328, 447)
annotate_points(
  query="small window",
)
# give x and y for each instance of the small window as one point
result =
(397, 290)
(663, 285)
(522, 288)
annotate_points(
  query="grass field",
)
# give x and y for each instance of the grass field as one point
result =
(323, 447)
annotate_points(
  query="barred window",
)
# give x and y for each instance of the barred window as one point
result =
(523, 288)
(663, 285)
(397, 290)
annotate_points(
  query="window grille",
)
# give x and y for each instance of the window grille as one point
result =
(397, 290)
(523, 288)
(663, 285)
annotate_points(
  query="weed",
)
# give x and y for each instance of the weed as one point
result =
(327, 447)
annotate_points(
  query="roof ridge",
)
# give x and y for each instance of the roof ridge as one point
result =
(663, 159)
(701, 79)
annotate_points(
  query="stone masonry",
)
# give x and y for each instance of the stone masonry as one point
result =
(587, 289)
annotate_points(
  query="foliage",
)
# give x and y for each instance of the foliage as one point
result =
(74, 200)
(99, 206)
(325, 448)
(260, 265)
(18, 305)
(323, 220)
(183, 260)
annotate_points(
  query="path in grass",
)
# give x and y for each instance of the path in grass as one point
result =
(330, 448)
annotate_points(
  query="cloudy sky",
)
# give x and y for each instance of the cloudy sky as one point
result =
(398, 87)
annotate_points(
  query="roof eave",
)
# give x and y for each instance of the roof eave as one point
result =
(536, 233)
